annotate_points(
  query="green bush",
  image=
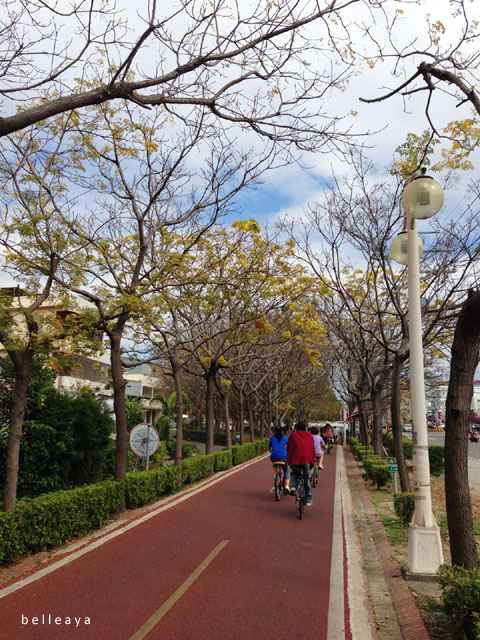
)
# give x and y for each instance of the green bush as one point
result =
(436, 456)
(461, 599)
(368, 464)
(404, 504)
(144, 487)
(222, 460)
(66, 442)
(261, 446)
(359, 450)
(243, 452)
(197, 468)
(379, 474)
(88, 424)
(42, 449)
(50, 520)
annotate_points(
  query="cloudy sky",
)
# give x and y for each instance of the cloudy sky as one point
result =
(289, 190)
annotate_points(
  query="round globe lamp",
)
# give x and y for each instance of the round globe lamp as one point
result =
(422, 198)
(399, 248)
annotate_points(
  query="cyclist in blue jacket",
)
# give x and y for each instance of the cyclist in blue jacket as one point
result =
(277, 446)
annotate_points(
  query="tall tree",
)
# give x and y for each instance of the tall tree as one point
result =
(34, 200)
(465, 355)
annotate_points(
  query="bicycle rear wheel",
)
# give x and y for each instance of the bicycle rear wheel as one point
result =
(314, 476)
(278, 484)
(301, 501)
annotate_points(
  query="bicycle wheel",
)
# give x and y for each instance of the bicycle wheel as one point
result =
(278, 484)
(313, 477)
(301, 500)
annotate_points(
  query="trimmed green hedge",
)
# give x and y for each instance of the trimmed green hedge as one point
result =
(222, 460)
(52, 519)
(197, 468)
(243, 452)
(145, 487)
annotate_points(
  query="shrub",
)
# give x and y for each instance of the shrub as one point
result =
(144, 487)
(243, 452)
(380, 475)
(261, 446)
(461, 599)
(359, 451)
(197, 468)
(65, 443)
(222, 460)
(436, 456)
(42, 450)
(404, 504)
(50, 520)
(368, 464)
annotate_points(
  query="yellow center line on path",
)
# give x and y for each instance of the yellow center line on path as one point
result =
(168, 604)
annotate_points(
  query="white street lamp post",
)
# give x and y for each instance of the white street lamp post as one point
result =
(421, 199)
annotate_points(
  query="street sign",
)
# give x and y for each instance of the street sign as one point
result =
(392, 465)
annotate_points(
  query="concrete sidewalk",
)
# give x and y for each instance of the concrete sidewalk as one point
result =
(394, 613)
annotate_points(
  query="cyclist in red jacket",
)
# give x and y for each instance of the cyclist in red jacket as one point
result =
(300, 455)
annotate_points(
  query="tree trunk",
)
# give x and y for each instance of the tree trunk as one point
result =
(241, 416)
(119, 407)
(376, 395)
(178, 380)
(397, 427)
(465, 352)
(22, 362)
(226, 417)
(364, 439)
(251, 420)
(262, 424)
(209, 379)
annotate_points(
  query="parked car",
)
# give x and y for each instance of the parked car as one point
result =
(407, 427)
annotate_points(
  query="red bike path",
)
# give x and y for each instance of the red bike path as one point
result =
(222, 561)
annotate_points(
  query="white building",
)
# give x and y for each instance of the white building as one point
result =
(77, 371)
(436, 398)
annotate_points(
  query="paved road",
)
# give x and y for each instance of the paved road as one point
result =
(438, 438)
(220, 561)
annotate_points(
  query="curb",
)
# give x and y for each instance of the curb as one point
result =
(405, 609)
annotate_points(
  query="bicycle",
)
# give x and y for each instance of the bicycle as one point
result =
(314, 473)
(279, 481)
(300, 490)
(329, 445)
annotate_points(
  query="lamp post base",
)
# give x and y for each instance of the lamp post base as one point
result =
(425, 553)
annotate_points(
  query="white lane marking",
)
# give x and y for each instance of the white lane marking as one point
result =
(209, 482)
(336, 608)
(176, 595)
